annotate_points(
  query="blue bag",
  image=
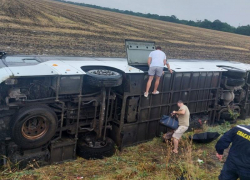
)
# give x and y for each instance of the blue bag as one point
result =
(169, 122)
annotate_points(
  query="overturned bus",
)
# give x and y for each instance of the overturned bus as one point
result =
(54, 108)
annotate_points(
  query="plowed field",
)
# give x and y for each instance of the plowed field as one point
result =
(49, 27)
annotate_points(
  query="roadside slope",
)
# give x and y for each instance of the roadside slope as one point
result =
(150, 161)
(49, 27)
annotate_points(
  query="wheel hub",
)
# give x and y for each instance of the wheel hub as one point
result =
(104, 72)
(96, 143)
(35, 127)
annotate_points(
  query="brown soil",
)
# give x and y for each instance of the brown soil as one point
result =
(48, 27)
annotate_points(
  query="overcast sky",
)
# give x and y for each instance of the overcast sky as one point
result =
(234, 12)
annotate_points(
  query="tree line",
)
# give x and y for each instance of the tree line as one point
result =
(215, 25)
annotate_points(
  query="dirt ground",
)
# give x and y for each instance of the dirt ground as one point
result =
(47, 27)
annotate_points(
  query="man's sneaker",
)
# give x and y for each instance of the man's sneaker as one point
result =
(146, 94)
(157, 92)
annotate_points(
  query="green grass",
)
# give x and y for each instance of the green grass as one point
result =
(151, 160)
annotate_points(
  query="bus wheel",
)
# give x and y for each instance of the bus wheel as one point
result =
(34, 126)
(95, 149)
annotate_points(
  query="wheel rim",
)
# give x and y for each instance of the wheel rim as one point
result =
(100, 144)
(35, 127)
(104, 72)
(95, 144)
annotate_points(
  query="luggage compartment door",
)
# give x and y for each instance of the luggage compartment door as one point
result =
(138, 51)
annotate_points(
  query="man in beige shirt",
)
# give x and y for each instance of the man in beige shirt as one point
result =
(183, 118)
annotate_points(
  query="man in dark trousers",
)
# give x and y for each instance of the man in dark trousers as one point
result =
(237, 164)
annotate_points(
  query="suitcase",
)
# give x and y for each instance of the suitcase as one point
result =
(169, 122)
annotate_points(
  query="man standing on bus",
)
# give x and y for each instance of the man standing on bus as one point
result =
(156, 62)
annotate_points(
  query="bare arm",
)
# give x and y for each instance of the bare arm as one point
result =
(183, 111)
(165, 63)
(149, 61)
(168, 66)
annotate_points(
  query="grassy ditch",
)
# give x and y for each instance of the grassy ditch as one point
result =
(151, 160)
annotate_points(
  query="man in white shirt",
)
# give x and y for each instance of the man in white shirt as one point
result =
(156, 62)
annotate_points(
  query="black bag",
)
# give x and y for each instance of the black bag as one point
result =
(169, 122)
(206, 137)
